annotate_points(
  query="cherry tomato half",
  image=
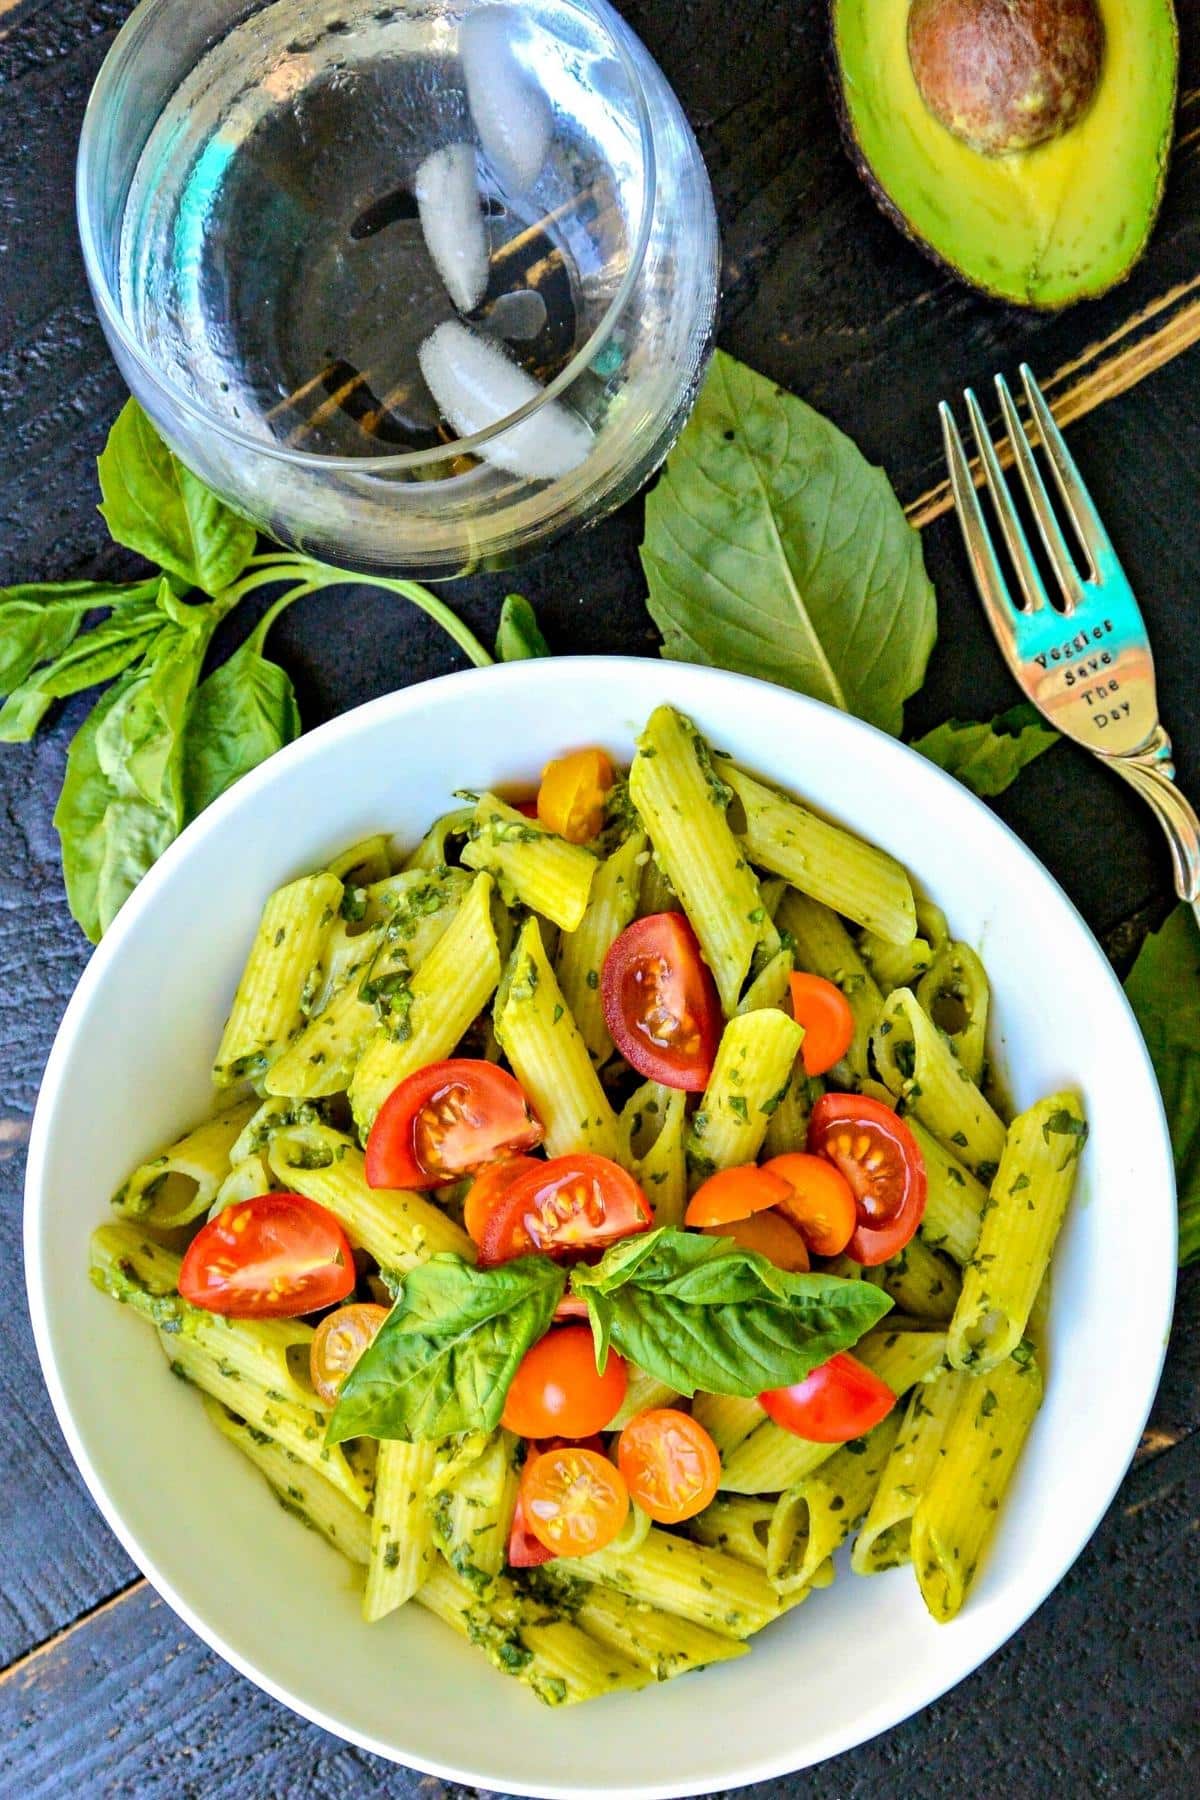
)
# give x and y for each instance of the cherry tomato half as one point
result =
(573, 1500)
(840, 1400)
(660, 1002)
(558, 1391)
(489, 1188)
(770, 1235)
(824, 1012)
(876, 1152)
(566, 1205)
(338, 1342)
(735, 1194)
(524, 1550)
(273, 1257)
(820, 1203)
(670, 1464)
(445, 1121)
(571, 798)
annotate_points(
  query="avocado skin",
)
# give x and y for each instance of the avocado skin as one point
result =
(891, 210)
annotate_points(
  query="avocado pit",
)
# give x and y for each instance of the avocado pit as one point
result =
(1004, 75)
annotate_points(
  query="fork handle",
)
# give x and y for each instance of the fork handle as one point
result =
(1152, 774)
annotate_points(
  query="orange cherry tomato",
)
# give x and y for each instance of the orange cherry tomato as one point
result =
(878, 1155)
(824, 1012)
(338, 1342)
(488, 1190)
(573, 1500)
(820, 1204)
(735, 1194)
(273, 1257)
(660, 1002)
(558, 1392)
(840, 1400)
(770, 1235)
(571, 798)
(670, 1464)
(524, 1550)
(563, 1206)
(447, 1120)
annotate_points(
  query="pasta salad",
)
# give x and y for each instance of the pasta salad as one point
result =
(609, 1214)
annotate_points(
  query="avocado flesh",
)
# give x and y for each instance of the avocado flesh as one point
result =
(1041, 227)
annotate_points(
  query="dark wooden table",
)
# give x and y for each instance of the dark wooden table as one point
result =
(103, 1691)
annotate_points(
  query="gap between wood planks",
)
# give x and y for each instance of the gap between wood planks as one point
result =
(1145, 342)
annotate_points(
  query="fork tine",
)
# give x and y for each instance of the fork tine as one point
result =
(1006, 512)
(989, 578)
(1049, 529)
(1080, 508)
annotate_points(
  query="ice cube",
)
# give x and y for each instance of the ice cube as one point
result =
(476, 385)
(511, 113)
(452, 220)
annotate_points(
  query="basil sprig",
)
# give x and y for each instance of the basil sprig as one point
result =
(166, 739)
(697, 1312)
(445, 1357)
(701, 1313)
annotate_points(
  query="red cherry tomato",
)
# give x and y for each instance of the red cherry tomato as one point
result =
(820, 1203)
(524, 1550)
(564, 1206)
(447, 1120)
(824, 1012)
(489, 1188)
(660, 1002)
(876, 1152)
(840, 1400)
(527, 807)
(273, 1257)
(735, 1194)
(338, 1342)
(574, 1500)
(671, 1466)
(558, 1392)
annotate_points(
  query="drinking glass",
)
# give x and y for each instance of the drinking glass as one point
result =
(417, 286)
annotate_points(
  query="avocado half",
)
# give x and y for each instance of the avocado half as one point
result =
(1041, 227)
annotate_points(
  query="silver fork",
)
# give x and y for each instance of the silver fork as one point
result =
(1085, 662)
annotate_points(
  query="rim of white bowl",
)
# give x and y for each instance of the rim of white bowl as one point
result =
(876, 1718)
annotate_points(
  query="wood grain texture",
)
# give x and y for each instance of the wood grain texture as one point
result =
(821, 293)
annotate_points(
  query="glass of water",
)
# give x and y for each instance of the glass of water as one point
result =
(417, 285)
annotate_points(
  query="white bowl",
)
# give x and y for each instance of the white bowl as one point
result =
(129, 1068)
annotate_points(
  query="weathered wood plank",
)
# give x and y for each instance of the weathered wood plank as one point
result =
(130, 1703)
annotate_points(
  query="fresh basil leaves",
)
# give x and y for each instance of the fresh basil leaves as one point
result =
(700, 1313)
(774, 548)
(242, 713)
(987, 757)
(696, 1312)
(154, 505)
(520, 635)
(443, 1360)
(1164, 990)
(161, 743)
